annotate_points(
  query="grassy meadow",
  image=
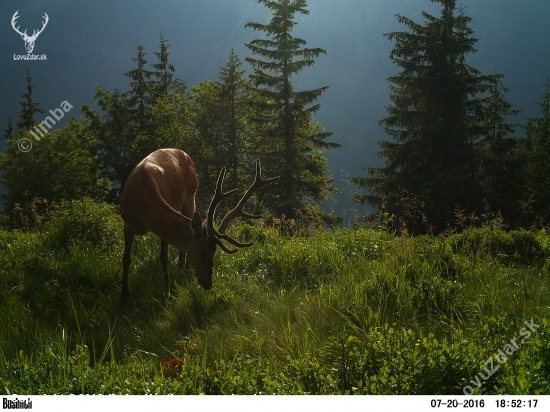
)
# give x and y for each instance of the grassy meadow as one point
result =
(357, 311)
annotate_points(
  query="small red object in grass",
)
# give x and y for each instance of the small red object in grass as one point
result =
(172, 368)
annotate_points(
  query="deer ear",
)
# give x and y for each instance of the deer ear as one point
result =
(196, 223)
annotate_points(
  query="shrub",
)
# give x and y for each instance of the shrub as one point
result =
(84, 222)
(514, 247)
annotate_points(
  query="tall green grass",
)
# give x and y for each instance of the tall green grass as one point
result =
(346, 311)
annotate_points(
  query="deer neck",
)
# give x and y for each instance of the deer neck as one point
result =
(172, 226)
(157, 216)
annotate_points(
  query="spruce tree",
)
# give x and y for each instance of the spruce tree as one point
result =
(163, 71)
(432, 164)
(537, 183)
(20, 175)
(138, 97)
(233, 94)
(29, 107)
(169, 105)
(285, 137)
(501, 158)
(9, 132)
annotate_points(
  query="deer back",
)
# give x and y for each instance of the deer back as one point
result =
(159, 187)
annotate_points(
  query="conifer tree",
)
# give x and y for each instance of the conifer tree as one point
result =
(169, 105)
(537, 183)
(206, 143)
(163, 71)
(29, 107)
(285, 135)
(502, 162)
(59, 167)
(9, 132)
(20, 175)
(432, 164)
(233, 93)
(138, 97)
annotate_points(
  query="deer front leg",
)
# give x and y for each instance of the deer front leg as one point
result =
(126, 260)
(184, 261)
(181, 259)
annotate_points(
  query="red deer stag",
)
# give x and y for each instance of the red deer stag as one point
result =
(159, 197)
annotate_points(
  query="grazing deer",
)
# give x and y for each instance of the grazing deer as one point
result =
(29, 40)
(159, 197)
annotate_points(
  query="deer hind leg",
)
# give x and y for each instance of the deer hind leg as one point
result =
(126, 260)
(164, 259)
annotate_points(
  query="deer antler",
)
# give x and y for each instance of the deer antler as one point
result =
(44, 24)
(235, 212)
(13, 19)
(219, 195)
(35, 32)
(238, 210)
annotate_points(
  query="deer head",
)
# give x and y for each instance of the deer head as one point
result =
(208, 237)
(29, 40)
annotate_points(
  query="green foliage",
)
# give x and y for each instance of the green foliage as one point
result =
(164, 84)
(386, 361)
(304, 310)
(519, 247)
(59, 166)
(351, 311)
(84, 223)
